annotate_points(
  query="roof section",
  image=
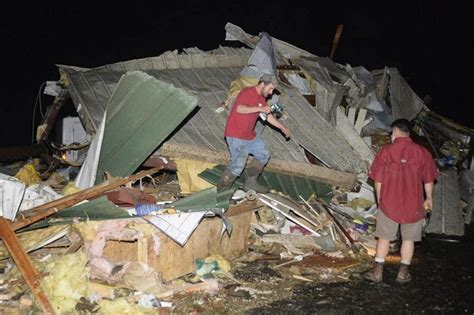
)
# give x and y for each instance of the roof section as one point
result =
(405, 103)
(141, 114)
(91, 89)
(208, 76)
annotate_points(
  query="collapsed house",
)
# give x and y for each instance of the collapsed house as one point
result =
(169, 112)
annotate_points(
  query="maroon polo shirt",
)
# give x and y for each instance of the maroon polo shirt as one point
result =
(242, 126)
(403, 167)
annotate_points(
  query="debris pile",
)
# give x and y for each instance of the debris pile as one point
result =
(124, 214)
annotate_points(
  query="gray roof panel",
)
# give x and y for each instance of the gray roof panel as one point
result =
(208, 77)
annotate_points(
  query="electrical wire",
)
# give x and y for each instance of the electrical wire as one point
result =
(38, 100)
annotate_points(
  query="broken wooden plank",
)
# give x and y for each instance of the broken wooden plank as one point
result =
(352, 114)
(335, 41)
(102, 289)
(142, 251)
(347, 129)
(360, 120)
(318, 173)
(302, 278)
(301, 212)
(275, 207)
(156, 161)
(52, 207)
(24, 264)
(381, 88)
(49, 118)
(352, 243)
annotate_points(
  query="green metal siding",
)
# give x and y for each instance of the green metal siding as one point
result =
(290, 185)
(141, 114)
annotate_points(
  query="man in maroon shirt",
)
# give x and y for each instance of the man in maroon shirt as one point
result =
(402, 171)
(241, 137)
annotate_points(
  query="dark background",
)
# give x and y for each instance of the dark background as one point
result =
(431, 44)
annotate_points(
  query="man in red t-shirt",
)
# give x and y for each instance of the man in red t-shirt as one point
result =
(242, 139)
(402, 171)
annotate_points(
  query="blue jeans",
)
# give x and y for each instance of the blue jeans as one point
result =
(240, 150)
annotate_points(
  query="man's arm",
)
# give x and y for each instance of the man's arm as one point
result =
(429, 195)
(378, 186)
(273, 121)
(245, 109)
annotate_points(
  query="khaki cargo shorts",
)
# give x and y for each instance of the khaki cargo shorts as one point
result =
(387, 229)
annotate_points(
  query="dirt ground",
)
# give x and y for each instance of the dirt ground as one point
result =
(442, 283)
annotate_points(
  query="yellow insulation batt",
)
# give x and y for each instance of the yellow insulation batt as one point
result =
(188, 178)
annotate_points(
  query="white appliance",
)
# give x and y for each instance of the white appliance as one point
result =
(72, 131)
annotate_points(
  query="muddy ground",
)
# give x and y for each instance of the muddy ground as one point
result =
(443, 282)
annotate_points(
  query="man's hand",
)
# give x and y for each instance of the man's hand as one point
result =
(285, 131)
(378, 189)
(428, 204)
(274, 122)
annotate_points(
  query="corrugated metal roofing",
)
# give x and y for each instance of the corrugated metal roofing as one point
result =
(292, 186)
(208, 76)
(141, 114)
(405, 103)
(204, 199)
(328, 94)
(91, 89)
(98, 209)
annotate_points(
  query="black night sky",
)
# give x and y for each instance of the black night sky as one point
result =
(431, 44)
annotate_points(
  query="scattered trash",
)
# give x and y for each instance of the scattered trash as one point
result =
(146, 209)
(205, 267)
(149, 301)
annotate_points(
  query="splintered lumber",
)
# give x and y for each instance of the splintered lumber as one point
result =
(360, 120)
(275, 206)
(51, 115)
(52, 207)
(24, 264)
(156, 161)
(328, 209)
(335, 41)
(103, 289)
(302, 278)
(381, 88)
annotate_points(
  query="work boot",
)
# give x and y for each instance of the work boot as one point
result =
(224, 184)
(226, 181)
(375, 274)
(253, 170)
(403, 275)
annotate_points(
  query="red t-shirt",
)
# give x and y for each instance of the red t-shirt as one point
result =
(242, 126)
(403, 167)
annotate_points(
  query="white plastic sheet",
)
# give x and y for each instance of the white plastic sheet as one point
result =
(87, 174)
(37, 195)
(11, 194)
